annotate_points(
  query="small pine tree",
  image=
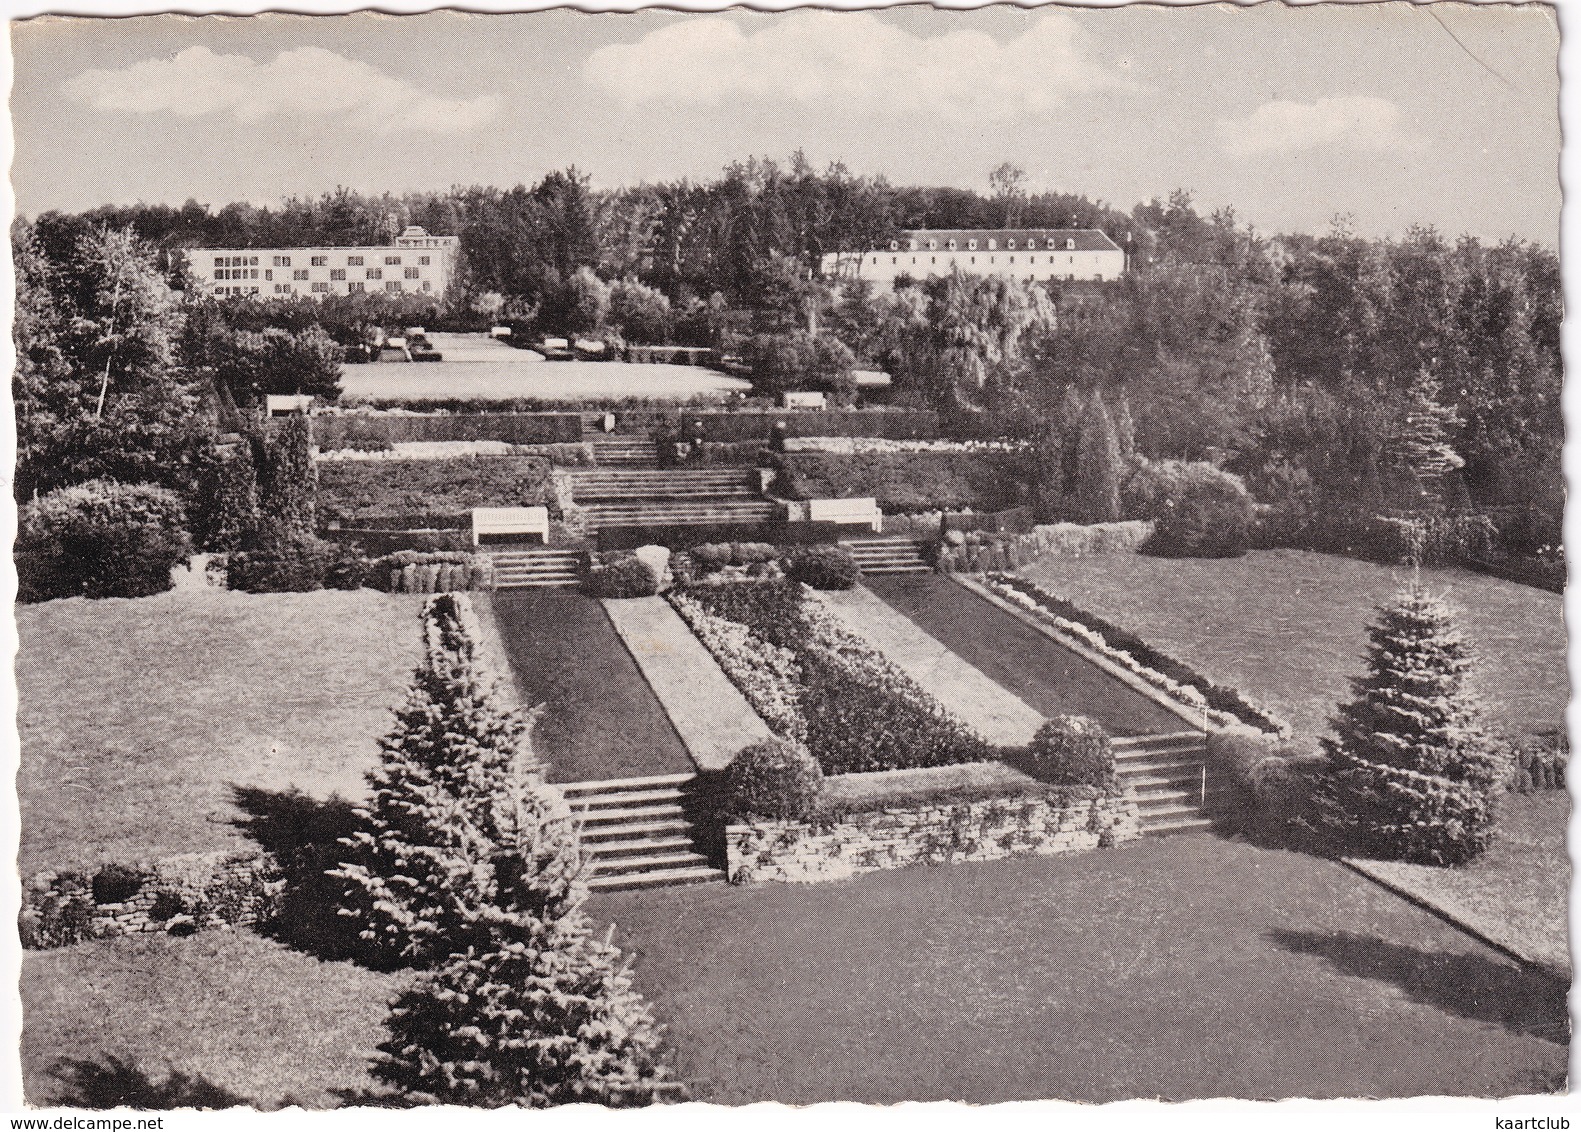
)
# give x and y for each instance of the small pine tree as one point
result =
(1411, 771)
(1422, 444)
(530, 1008)
(453, 746)
(1099, 467)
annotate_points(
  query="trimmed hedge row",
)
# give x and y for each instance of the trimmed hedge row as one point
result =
(907, 482)
(352, 430)
(427, 493)
(814, 682)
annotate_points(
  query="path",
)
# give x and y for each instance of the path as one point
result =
(1041, 672)
(713, 719)
(601, 719)
(965, 691)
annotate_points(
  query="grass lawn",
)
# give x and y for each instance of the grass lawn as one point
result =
(601, 719)
(522, 376)
(1289, 627)
(1051, 679)
(138, 716)
(1187, 967)
(1517, 893)
(217, 1019)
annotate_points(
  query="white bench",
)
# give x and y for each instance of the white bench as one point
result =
(853, 512)
(528, 522)
(284, 404)
(804, 400)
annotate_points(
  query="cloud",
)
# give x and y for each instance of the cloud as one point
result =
(306, 83)
(852, 63)
(1355, 121)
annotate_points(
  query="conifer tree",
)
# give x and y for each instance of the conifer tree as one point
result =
(452, 748)
(1422, 443)
(1411, 772)
(530, 1008)
(1125, 429)
(1098, 465)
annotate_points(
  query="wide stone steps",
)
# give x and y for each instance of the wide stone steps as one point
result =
(1165, 776)
(624, 451)
(595, 484)
(896, 555)
(518, 569)
(636, 833)
(680, 514)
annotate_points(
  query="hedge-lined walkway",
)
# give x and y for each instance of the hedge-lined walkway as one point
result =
(1051, 679)
(713, 719)
(601, 719)
(1178, 967)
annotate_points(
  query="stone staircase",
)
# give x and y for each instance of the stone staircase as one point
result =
(520, 569)
(1165, 773)
(624, 450)
(631, 497)
(892, 554)
(636, 832)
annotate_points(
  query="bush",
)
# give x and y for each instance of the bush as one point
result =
(116, 884)
(414, 492)
(907, 482)
(774, 779)
(1199, 510)
(297, 565)
(1539, 762)
(624, 575)
(99, 539)
(1271, 778)
(1072, 750)
(712, 556)
(823, 568)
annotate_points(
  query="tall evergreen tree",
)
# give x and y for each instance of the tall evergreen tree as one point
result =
(1411, 772)
(1422, 442)
(1098, 465)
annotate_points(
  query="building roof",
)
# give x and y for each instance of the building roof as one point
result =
(1087, 239)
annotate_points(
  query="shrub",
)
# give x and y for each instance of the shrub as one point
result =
(413, 492)
(1072, 750)
(288, 478)
(99, 539)
(624, 575)
(907, 482)
(227, 507)
(116, 884)
(717, 555)
(1271, 778)
(1199, 510)
(297, 564)
(1539, 762)
(1411, 771)
(823, 568)
(774, 779)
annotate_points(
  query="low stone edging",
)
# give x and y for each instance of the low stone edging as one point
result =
(941, 832)
(1010, 552)
(180, 894)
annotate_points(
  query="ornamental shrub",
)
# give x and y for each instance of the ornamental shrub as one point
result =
(774, 779)
(1199, 511)
(288, 477)
(297, 564)
(1411, 771)
(116, 884)
(624, 575)
(99, 539)
(1072, 750)
(823, 567)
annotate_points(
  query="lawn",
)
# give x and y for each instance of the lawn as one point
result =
(1051, 679)
(1288, 627)
(601, 719)
(525, 377)
(1186, 967)
(1517, 893)
(216, 1019)
(137, 717)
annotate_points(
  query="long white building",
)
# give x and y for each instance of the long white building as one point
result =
(1024, 253)
(415, 264)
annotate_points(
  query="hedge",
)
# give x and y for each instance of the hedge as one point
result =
(427, 493)
(907, 482)
(348, 430)
(99, 539)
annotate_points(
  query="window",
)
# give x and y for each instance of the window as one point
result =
(974, 259)
(374, 273)
(1098, 278)
(1071, 258)
(221, 261)
(299, 273)
(1051, 243)
(355, 288)
(354, 261)
(423, 260)
(219, 290)
(1070, 245)
(875, 261)
(321, 287)
(972, 244)
(1011, 244)
(392, 261)
(337, 273)
(1012, 259)
(282, 261)
(427, 286)
(993, 244)
(913, 246)
(951, 245)
(392, 286)
(894, 245)
(412, 273)
(894, 259)
(283, 288)
(319, 261)
(268, 274)
(933, 245)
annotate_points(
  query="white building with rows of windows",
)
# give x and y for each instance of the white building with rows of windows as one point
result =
(416, 264)
(1025, 253)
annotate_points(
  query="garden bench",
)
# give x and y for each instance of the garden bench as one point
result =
(496, 524)
(853, 512)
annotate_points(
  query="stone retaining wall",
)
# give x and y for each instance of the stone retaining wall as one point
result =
(978, 554)
(926, 833)
(180, 894)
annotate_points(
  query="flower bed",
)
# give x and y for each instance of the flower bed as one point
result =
(815, 682)
(1223, 706)
(875, 446)
(563, 455)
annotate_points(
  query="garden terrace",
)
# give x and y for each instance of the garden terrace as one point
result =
(427, 493)
(345, 430)
(139, 718)
(907, 482)
(1289, 627)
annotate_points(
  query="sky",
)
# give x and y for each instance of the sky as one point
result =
(1394, 114)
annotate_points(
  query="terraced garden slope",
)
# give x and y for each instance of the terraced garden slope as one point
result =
(138, 717)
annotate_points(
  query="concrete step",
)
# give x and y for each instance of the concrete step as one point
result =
(1169, 739)
(605, 785)
(696, 874)
(618, 814)
(617, 798)
(1183, 824)
(633, 830)
(529, 583)
(610, 850)
(604, 866)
